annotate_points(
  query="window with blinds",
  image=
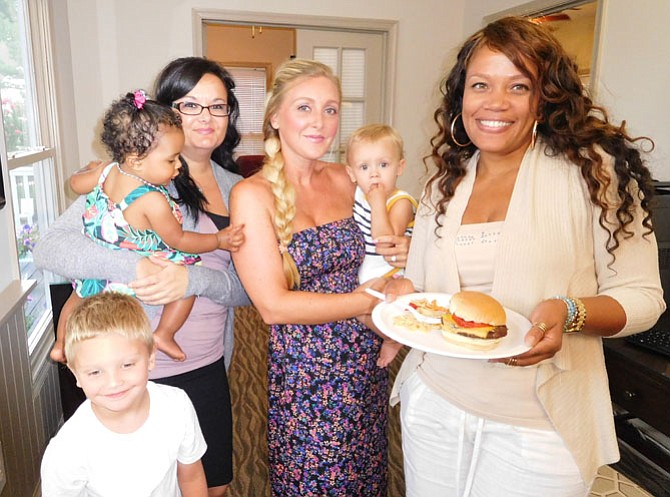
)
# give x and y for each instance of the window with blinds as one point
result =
(250, 90)
(349, 65)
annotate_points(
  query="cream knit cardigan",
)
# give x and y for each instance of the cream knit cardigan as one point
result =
(551, 244)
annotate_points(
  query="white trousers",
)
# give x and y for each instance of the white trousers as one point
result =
(450, 453)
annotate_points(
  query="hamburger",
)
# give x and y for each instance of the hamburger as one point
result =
(475, 320)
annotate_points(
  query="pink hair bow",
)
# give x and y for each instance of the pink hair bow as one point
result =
(140, 98)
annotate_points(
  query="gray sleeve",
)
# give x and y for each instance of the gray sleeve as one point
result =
(223, 287)
(66, 251)
(229, 338)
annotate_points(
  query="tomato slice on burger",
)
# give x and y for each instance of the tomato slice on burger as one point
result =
(468, 324)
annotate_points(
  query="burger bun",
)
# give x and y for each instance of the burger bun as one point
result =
(483, 321)
(470, 342)
(477, 307)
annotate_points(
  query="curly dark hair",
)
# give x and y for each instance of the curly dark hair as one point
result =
(127, 129)
(178, 78)
(568, 122)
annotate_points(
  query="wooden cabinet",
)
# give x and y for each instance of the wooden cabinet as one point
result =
(640, 389)
(639, 383)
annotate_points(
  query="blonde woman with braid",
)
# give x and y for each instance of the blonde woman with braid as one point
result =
(327, 397)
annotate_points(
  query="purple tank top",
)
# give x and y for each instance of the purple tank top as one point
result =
(201, 337)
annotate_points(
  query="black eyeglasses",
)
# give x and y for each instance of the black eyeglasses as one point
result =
(193, 109)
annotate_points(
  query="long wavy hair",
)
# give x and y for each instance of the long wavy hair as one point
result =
(178, 78)
(287, 76)
(568, 122)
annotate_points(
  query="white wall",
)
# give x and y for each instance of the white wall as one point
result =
(121, 44)
(9, 267)
(118, 45)
(632, 74)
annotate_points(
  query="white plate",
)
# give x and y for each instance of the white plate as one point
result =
(432, 341)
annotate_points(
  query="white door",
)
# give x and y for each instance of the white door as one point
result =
(357, 58)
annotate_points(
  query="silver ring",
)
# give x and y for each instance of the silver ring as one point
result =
(394, 258)
(512, 361)
(541, 326)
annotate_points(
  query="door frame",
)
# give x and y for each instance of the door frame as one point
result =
(544, 7)
(387, 28)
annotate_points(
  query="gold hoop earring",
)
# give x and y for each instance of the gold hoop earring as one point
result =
(533, 138)
(453, 137)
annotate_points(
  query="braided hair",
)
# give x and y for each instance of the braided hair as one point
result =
(287, 76)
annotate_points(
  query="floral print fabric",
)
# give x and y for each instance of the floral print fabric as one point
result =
(104, 223)
(328, 400)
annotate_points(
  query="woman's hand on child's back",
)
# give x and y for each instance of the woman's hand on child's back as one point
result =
(91, 166)
(231, 238)
(84, 180)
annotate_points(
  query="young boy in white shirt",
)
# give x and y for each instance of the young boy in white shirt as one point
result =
(375, 160)
(131, 437)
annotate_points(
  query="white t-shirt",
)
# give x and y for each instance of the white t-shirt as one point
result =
(87, 459)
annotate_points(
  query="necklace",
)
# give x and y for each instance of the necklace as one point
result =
(130, 175)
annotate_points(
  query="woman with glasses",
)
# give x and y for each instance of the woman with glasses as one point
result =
(200, 90)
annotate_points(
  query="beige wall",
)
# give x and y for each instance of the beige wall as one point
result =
(240, 46)
(121, 44)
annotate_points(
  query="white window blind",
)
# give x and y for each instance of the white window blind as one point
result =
(353, 73)
(328, 56)
(349, 65)
(250, 91)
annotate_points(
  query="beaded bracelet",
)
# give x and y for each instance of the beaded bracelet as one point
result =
(574, 322)
(578, 325)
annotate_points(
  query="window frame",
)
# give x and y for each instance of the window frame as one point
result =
(387, 28)
(46, 157)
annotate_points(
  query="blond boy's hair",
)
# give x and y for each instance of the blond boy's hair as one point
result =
(375, 132)
(105, 313)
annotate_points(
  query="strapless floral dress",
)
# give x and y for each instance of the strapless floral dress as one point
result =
(328, 400)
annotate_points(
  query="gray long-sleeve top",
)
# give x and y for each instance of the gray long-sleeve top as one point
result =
(66, 251)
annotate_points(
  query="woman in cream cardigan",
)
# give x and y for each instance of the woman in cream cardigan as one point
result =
(539, 201)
